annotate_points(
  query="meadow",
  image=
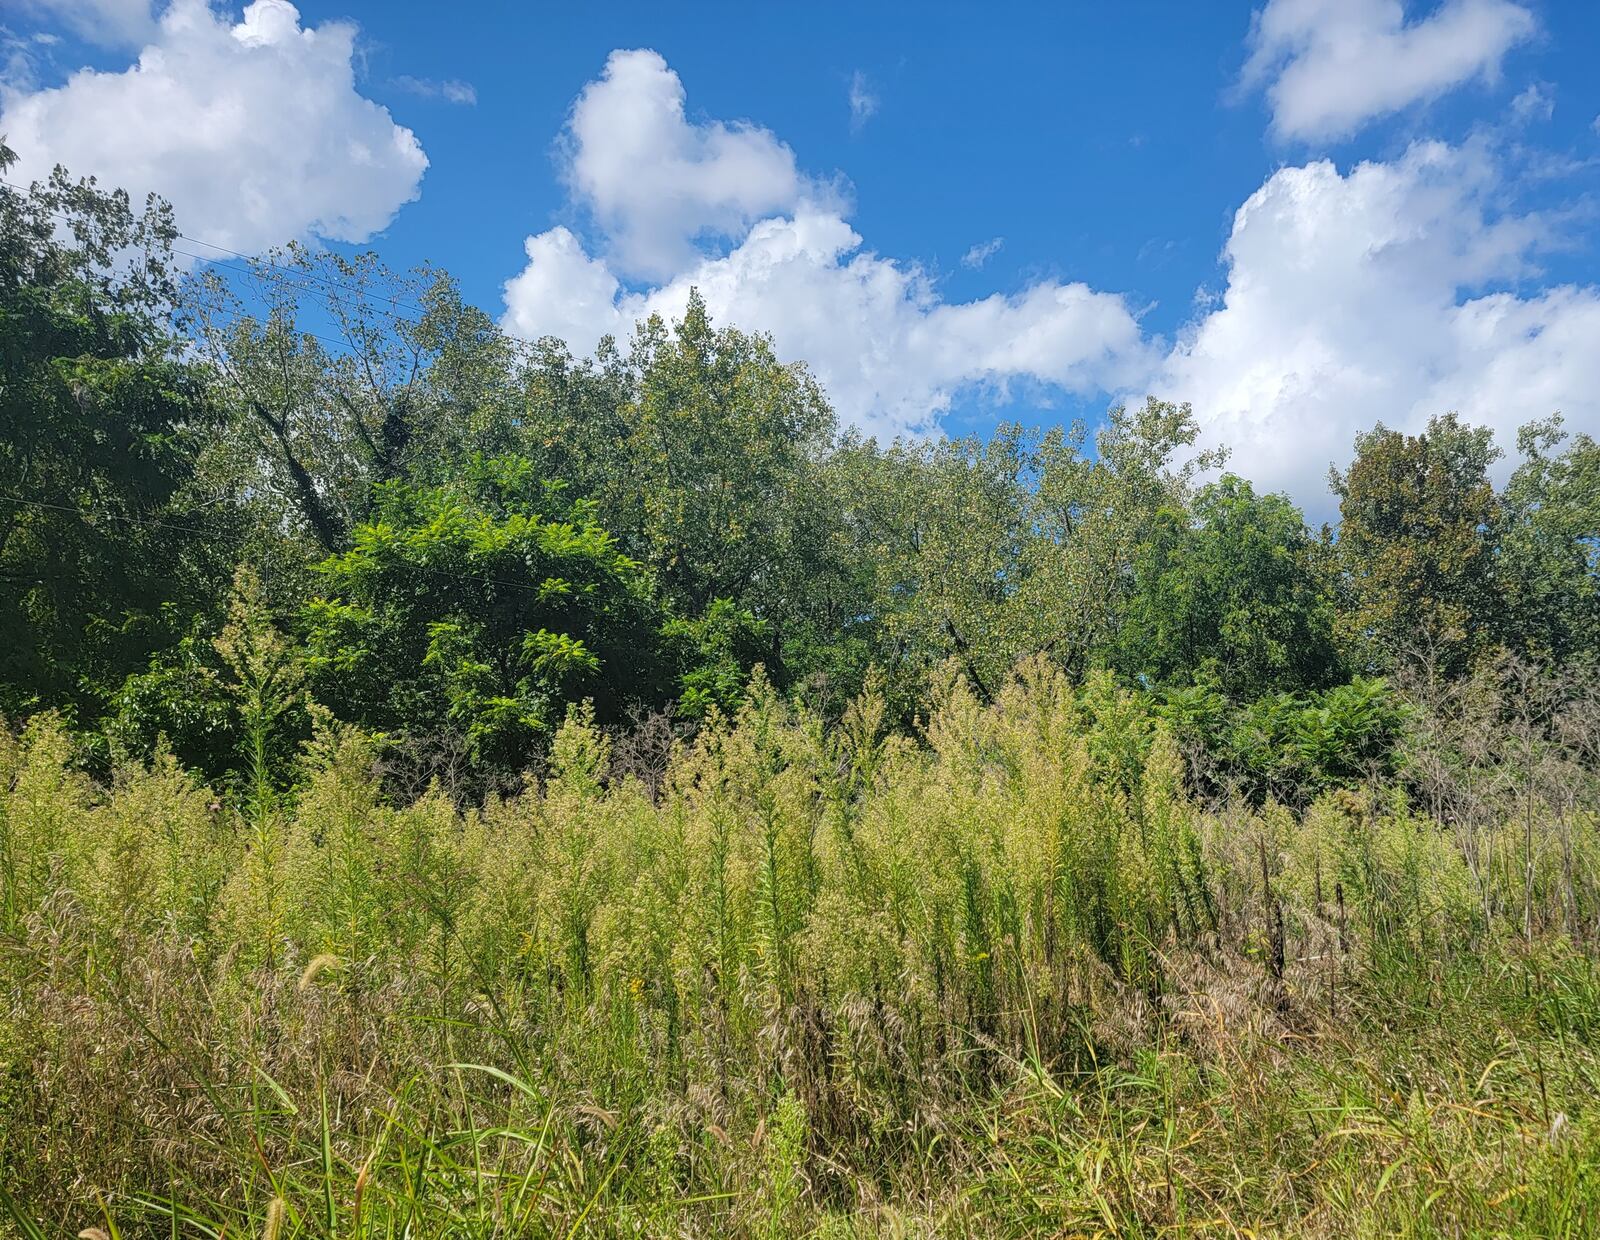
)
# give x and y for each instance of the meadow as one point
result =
(1007, 975)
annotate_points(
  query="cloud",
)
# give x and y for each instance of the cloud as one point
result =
(890, 351)
(655, 183)
(563, 292)
(254, 131)
(981, 253)
(1332, 65)
(105, 23)
(450, 89)
(1394, 290)
(1383, 293)
(863, 102)
(1536, 103)
(16, 62)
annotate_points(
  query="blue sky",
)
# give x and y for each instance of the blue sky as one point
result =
(1303, 215)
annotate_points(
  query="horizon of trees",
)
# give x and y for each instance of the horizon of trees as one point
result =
(450, 537)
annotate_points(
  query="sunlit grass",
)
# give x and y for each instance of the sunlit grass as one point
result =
(1007, 979)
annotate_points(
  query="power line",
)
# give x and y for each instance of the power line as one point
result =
(104, 516)
(289, 276)
(262, 277)
(473, 578)
(254, 258)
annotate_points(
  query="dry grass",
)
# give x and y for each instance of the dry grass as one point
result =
(1008, 980)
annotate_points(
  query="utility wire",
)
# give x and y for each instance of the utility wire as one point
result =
(88, 518)
(212, 245)
(289, 276)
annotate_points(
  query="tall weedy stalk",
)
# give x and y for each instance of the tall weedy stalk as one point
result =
(267, 682)
(350, 882)
(40, 799)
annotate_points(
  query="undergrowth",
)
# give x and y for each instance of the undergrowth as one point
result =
(1006, 978)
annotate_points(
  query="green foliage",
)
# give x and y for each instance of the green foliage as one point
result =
(1292, 746)
(1112, 903)
(181, 700)
(1548, 562)
(479, 610)
(699, 452)
(715, 654)
(314, 420)
(941, 526)
(1417, 515)
(708, 458)
(1232, 584)
(104, 553)
(1348, 733)
(990, 553)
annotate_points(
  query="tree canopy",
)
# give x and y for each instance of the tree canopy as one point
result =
(457, 536)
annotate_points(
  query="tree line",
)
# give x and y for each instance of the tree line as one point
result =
(449, 537)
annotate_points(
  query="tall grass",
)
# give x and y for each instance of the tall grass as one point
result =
(1003, 978)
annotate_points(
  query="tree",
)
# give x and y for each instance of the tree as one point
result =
(940, 530)
(989, 553)
(349, 376)
(1548, 540)
(1232, 585)
(104, 547)
(1092, 513)
(708, 458)
(480, 610)
(1415, 544)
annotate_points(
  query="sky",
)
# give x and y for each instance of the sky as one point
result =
(1300, 216)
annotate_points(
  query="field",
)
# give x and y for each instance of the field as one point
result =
(838, 740)
(1003, 977)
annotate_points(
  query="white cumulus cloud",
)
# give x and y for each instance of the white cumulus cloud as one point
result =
(890, 351)
(254, 130)
(1387, 292)
(1330, 66)
(1391, 290)
(655, 182)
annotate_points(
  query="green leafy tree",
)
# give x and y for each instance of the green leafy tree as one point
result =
(941, 531)
(990, 553)
(105, 550)
(1548, 540)
(1233, 584)
(480, 610)
(1092, 513)
(707, 457)
(337, 375)
(1415, 545)
(714, 656)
